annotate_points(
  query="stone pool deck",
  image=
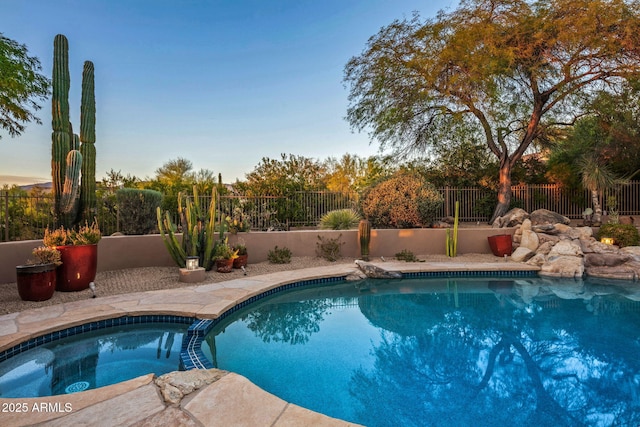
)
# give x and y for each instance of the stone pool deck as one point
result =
(191, 398)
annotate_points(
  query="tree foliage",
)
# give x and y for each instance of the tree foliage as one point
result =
(21, 86)
(511, 69)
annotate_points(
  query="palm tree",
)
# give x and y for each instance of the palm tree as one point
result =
(597, 178)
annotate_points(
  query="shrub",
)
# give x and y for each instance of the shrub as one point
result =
(406, 255)
(623, 234)
(341, 219)
(329, 249)
(279, 255)
(403, 201)
(137, 210)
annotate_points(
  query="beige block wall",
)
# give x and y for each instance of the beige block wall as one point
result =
(119, 252)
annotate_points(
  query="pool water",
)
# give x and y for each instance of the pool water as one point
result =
(481, 352)
(93, 359)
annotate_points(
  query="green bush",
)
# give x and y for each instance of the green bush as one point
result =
(137, 209)
(329, 249)
(406, 255)
(279, 255)
(341, 219)
(623, 234)
(403, 201)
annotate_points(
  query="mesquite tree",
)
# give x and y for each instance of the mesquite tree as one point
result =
(514, 70)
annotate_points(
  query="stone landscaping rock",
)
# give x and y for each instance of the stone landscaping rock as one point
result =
(566, 248)
(563, 266)
(605, 259)
(375, 272)
(530, 240)
(175, 385)
(522, 254)
(544, 216)
(546, 240)
(510, 219)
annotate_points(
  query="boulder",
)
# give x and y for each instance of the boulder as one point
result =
(563, 266)
(545, 248)
(605, 259)
(375, 272)
(544, 216)
(510, 219)
(633, 251)
(522, 254)
(529, 240)
(538, 259)
(566, 248)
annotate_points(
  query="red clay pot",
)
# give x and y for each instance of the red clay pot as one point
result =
(224, 265)
(78, 269)
(36, 282)
(500, 244)
(241, 261)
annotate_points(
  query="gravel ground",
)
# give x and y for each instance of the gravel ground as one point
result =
(118, 282)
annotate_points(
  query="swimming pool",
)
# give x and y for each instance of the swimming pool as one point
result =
(94, 355)
(445, 351)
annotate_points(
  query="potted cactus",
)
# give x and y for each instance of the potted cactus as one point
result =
(37, 278)
(79, 255)
(224, 255)
(241, 248)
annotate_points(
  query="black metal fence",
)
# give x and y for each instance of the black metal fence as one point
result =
(24, 217)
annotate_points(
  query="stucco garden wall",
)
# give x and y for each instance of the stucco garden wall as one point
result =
(119, 252)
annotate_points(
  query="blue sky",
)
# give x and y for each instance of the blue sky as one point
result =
(222, 83)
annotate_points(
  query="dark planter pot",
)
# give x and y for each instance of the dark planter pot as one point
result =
(78, 267)
(241, 261)
(500, 244)
(224, 265)
(36, 282)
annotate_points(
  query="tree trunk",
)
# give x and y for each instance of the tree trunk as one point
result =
(504, 191)
(597, 208)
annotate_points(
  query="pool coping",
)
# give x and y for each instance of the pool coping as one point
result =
(204, 301)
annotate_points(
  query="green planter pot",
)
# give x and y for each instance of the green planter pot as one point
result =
(78, 269)
(36, 282)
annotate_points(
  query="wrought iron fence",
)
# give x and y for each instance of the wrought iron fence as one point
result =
(24, 217)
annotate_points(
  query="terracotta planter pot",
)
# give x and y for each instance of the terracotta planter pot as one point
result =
(78, 267)
(36, 282)
(241, 261)
(500, 244)
(224, 265)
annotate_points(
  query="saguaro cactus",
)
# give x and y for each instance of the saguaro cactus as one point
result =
(364, 237)
(88, 139)
(60, 140)
(72, 164)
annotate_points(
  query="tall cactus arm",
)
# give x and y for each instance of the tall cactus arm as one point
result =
(71, 181)
(210, 230)
(169, 238)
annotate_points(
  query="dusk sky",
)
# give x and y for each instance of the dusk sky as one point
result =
(222, 83)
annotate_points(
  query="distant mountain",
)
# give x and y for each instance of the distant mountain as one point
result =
(45, 186)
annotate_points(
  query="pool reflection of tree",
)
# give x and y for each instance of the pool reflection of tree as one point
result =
(292, 322)
(529, 365)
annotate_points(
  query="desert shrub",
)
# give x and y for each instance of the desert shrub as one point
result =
(623, 234)
(329, 249)
(137, 210)
(340, 219)
(279, 255)
(403, 201)
(406, 255)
